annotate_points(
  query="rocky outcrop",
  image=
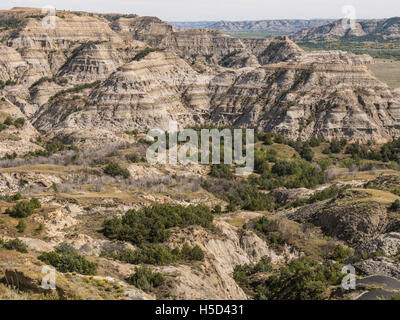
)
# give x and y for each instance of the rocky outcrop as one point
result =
(379, 266)
(388, 243)
(353, 220)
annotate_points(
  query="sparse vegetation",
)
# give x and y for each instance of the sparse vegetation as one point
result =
(75, 89)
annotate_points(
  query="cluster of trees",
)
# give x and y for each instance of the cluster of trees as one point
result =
(50, 148)
(242, 273)
(152, 224)
(302, 279)
(295, 173)
(388, 152)
(335, 146)
(239, 194)
(23, 208)
(65, 258)
(157, 255)
(222, 171)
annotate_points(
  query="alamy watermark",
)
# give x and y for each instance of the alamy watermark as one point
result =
(49, 278)
(349, 280)
(349, 17)
(49, 21)
(190, 146)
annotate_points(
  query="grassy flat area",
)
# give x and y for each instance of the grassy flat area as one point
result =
(379, 195)
(362, 175)
(387, 71)
(283, 151)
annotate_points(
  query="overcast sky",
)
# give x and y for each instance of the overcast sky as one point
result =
(197, 10)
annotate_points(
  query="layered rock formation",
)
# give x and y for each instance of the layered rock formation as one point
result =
(150, 73)
(260, 26)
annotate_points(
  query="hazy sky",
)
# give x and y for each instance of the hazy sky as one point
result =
(195, 10)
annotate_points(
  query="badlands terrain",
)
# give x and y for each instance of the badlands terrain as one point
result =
(77, 193)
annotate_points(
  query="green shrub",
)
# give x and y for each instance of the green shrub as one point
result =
(69, 261)
(9, 121)
(291, 174)
(242, 273)
(145, 279)
(217, 209)
(114, 169)
(134, 158)
(21, 226)
(307, 154)
(329, 193)
(24, 208)
(395, 205)
(340, 253)
(222, 171)
(192, 254)
(19, 122)
(270, 229)
(65, 248)
(10, 23)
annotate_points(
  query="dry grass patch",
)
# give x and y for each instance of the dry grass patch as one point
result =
(379, 196)
(41, 168)
(387, 71)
